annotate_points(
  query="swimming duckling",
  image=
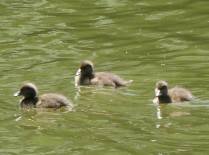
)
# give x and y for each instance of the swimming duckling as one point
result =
(50, 100)
(85, 75)
(176, 94)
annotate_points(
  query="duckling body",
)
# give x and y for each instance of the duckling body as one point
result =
(179, 94)
(176, 94)
(32, 100)
(86, 76)
(52, 100)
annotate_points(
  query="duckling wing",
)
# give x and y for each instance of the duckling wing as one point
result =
(53, 100)
(179, 94)
(103, 79)
(111, 79)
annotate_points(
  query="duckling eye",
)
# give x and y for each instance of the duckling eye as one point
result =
(27, 91)
(163, 87)
(88, 68)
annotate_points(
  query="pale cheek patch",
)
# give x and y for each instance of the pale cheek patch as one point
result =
(78, 72)
(157, 92)
(77, 77)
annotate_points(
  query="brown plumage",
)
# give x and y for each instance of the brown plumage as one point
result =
(176, 94)
(86, 76)
(50, 100)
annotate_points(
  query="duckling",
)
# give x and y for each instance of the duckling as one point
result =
(176, 94)
(50, 100)
(85, 75)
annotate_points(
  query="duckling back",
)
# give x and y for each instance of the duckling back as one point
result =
(53, 100)
(109, 79)
(179, 94)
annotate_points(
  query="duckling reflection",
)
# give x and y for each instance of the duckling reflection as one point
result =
(162, 111)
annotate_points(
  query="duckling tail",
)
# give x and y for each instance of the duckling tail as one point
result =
(123, 83)
(129, 81)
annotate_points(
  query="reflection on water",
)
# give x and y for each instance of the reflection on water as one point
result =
(44, 41)
(161, 112)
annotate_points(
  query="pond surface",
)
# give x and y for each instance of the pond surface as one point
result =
(44, 41)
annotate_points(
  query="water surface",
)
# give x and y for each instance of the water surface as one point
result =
(44, 41)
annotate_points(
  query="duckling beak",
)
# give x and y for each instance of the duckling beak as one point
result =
(157, 92)
(17, 93)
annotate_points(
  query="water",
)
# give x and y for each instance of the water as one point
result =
(146, 41)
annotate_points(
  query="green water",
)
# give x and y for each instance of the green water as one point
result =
(43, 41)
